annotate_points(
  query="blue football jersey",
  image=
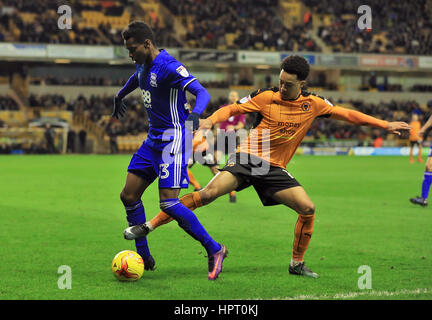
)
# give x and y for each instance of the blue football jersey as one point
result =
(162, 85)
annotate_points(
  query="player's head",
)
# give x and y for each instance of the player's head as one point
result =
(233, 97)
(139, 40)
(414, 117)
(294, 71)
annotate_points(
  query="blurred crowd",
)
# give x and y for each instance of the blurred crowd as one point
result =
(252, 27)
(77, 81)
(47, 100)
(391, 111)
(44, 28)
(397, 26)
(99, 109)
(8, 104)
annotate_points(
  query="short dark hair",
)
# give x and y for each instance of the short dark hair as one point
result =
(140, 31)
(296, 65)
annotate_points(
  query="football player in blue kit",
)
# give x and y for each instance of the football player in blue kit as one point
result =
(165, 153)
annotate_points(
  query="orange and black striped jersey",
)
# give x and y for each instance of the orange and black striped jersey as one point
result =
(282, 124)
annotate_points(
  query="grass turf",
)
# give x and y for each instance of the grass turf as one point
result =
(65, 210)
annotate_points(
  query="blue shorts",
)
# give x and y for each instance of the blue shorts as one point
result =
(149, 164)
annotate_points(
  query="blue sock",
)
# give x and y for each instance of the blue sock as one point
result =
(427, 179)
(135, 214)
(188, 221)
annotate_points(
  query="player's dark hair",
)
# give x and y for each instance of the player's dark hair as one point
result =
(140, 31)
(296, 65)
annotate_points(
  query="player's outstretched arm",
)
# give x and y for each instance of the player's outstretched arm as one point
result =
(119, 108)
(359, 118)
(220, 115)
(202, 100)
(425, 127)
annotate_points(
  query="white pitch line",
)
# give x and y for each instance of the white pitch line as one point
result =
(350, 295)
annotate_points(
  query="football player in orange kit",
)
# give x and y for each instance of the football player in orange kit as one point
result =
(284, 116)
(415, 139)
(203, 154)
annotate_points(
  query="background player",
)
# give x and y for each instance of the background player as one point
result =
(284, 116)
(415, 139)
(427, 176)
(227, 139)
(202, 152)
(163, 81)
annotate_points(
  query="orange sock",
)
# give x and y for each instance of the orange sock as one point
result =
(302, 235)
(232, 193)
(192, 180)
(190, 200)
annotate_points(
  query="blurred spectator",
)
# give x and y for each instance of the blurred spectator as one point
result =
(71, 141)
(82, 135)
(49, 138)
(112, 134)
(378, 141)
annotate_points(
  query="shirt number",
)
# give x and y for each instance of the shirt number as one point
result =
(163, 172)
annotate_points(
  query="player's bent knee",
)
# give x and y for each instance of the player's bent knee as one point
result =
(128, 198)
(307, 209)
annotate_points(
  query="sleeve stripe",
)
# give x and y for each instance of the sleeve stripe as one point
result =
(184, 87)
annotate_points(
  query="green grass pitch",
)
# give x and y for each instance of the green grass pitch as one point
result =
(66, 210)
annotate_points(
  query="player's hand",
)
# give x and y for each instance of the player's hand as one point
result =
(205, 124)
(119, 108)
(194, 118)
(396, 126)
(421, 133)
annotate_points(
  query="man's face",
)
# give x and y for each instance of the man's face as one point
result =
(289, 85)
(233, 97)
(138, 52)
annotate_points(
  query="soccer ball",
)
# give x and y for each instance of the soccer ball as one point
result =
(127, 265)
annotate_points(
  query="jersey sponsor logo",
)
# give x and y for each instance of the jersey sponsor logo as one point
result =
(245, 99)
(306, 106)
(288, 128)
(289, 124)
(153, 79)
(146, 96)
(182, 71)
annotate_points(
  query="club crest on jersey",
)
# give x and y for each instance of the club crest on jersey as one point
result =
(305, 106)
(182, 71)
(153, 79)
